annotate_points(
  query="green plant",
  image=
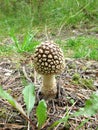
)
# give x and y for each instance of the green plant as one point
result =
(41, 113)
(91, 106)
(80, 47)
(86, 47)
(63, 120)
(76, 77)
(5, 49)
(12, 101)
(90, 109)
(86, 83)
(29, 99)
(28, 44)
(15, 14)
(25, 14)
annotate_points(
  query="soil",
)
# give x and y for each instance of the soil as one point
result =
(72, 93)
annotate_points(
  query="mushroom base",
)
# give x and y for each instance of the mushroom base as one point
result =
(49, 88)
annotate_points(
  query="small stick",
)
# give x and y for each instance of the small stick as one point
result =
(35, 77)
(56, 128)
(25, 74)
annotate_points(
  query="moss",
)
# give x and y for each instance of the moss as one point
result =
(3, 113)
(87, 83)
(76, 77)
(9, 91)
(72, 66)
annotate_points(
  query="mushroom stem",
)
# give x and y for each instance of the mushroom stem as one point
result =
(49, 88)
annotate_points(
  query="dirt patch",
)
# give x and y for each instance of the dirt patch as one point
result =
(75, 85)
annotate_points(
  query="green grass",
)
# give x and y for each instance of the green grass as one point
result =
(85, 47)
(5, 50)
(15, 15)
(27, 44)
(23, 15)
(80, 47)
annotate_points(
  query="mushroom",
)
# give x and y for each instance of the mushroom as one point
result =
(48, 61)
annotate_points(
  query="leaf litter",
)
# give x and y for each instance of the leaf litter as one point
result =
(75, 85)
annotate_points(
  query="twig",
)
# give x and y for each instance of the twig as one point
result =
(33, 127)
(56, 128)
(12, 125)
(46, 33)
(53, 108)
(28, 122)
(35, 77)
(46, 123)
(25, 74)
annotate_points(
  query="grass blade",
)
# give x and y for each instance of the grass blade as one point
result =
(90, 108)
(12, 101)
(14, 38)
(62, 120)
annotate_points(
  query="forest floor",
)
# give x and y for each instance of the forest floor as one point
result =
(75, 85)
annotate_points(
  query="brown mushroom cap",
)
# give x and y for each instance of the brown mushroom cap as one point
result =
(48, 59)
